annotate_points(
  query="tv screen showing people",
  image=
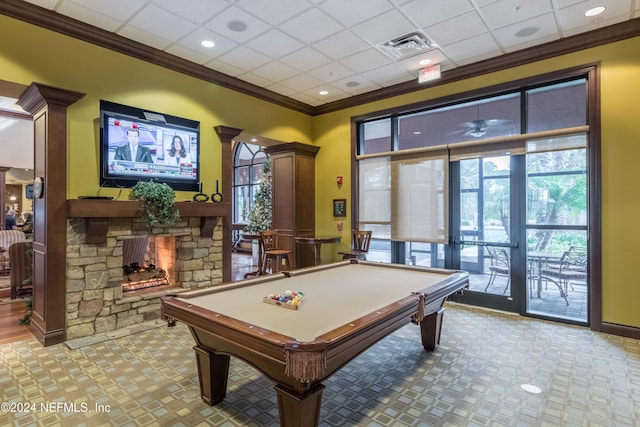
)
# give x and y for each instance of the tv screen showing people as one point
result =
(136, 149)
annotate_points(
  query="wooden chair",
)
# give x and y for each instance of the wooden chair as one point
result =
(273, 256)
(21, 269)
(360, 242)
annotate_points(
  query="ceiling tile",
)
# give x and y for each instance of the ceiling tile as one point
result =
(366, 60)
(220, 24)
(388, 26)
(244, 58)
(330, 72)
(546, 24)
(573, 21)
(303, 82)
(429, 12)
(190, 48)
(192, 42)
(435, 55)
(161, 23)
(275, 71)
(305, 59)
(144, 37)
(455, 29)
(507, 12)
(274, 12)
(349, 86)
(352, 12)
(471, 50)
(121, 10)
(89, 16)
(390, 74)
(341, 45)
(198, 11)
(47, 4)
(310, 26)
(275, 44)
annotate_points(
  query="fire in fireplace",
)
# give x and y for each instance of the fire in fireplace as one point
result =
(149, 261)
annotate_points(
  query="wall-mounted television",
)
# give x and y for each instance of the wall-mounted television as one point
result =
(142, 145)
(28, 191)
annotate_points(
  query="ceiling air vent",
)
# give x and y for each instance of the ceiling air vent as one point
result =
(406, 46)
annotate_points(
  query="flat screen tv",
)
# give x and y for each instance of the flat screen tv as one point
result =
(142, 145)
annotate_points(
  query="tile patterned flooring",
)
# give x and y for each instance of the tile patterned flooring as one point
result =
(148, 378)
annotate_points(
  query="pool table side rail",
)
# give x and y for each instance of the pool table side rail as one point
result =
(306, 361)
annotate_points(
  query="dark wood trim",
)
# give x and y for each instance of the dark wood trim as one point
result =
(595, 200)
(62, 24)
(592, 73)
(86, 208)
(226, 135)
(599, 37)
(98, 223)
(620, 330)
(48, 106)
(54, 21)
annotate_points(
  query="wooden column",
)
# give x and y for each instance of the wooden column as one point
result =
(48, 106)
(226, 135)
(293, 175)
(3, 183)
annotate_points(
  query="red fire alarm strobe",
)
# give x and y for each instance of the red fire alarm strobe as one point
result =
(339, 180)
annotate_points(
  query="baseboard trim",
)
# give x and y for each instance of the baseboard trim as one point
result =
(621, 330)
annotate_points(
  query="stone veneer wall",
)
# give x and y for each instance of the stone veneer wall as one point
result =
(94, 297)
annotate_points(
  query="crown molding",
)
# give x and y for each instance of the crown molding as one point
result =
(62, 24)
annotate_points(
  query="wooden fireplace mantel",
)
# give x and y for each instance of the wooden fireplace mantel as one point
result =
(97, 213)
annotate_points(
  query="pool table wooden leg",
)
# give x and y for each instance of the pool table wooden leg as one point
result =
(430, 328)
(299, 411)
(213, 370)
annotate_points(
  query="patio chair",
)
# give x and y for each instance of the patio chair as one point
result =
(500, 266)
(571, 268)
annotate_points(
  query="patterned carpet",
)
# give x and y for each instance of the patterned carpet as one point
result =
(149, 378)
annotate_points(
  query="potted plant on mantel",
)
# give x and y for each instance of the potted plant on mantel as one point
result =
(158, 202)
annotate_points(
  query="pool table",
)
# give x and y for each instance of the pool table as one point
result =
(347, 307)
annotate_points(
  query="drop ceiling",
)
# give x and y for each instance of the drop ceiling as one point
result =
(298, 48)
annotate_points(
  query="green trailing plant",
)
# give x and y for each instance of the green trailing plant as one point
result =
(261, 212)
(158, 202)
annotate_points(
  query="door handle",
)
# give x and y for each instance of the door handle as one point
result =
(485, 243)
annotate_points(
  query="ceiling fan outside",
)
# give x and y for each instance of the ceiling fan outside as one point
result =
(478, 128)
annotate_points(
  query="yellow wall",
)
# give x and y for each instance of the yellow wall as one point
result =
(620, 121)
(37, 55)
(30, 54)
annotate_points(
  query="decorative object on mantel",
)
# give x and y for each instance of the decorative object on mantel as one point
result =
(200, 197)
(158, 202)
(261, 214)
(217, 196)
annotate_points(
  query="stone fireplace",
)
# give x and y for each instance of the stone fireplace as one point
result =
(96, 300)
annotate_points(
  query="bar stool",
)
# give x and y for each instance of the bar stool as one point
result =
(273, 257)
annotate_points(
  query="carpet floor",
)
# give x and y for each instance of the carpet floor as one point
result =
(571, 377)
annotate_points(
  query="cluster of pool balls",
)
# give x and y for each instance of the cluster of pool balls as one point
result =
(288, 297)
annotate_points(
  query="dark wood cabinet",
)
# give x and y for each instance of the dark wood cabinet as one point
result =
(293, 174)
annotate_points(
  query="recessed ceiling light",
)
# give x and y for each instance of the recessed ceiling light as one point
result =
(324, 92)
(417, 132)
(254, 139)
(595, 11)
(237, 25)
(352, 83)
(207, 43)
(424, 62)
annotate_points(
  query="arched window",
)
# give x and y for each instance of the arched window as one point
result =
(247, 175)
